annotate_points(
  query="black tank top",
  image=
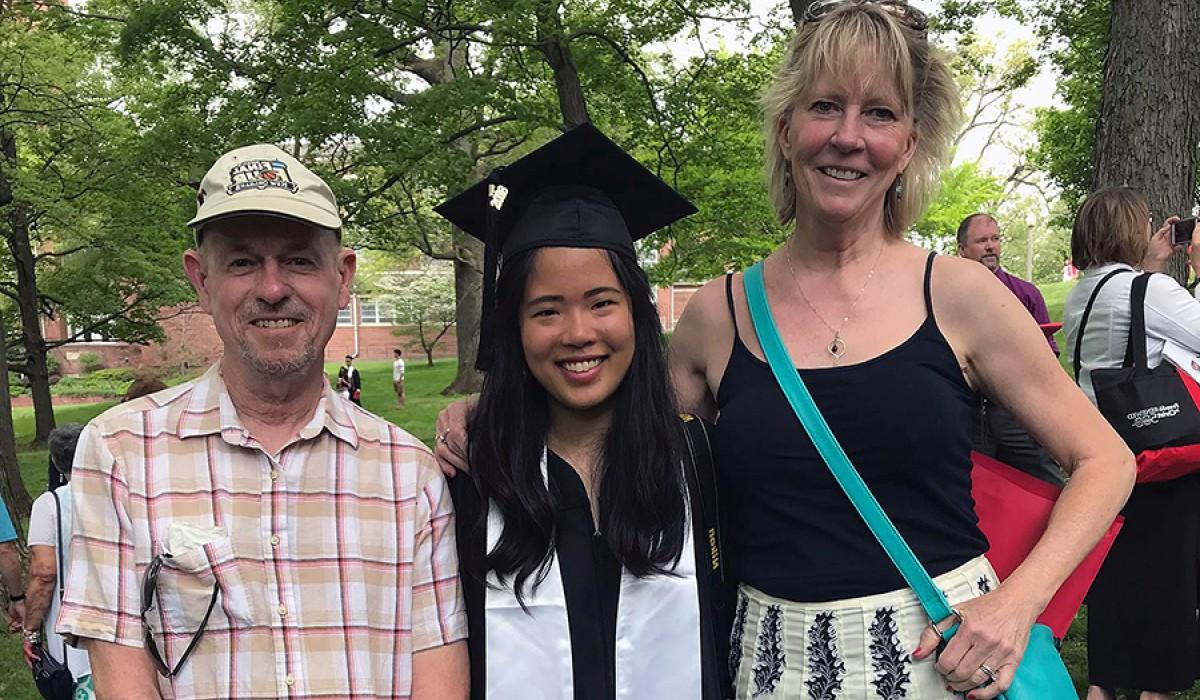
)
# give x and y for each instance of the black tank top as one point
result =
(903, 417)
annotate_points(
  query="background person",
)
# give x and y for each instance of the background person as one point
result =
(10, 570)
(1149, 580)
(1000, 435)
(979, 240)
(398, 375)
(350, 381)
(50, 524)
(304, 545)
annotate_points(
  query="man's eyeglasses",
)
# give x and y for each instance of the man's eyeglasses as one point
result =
(149, 584)
(908, 15)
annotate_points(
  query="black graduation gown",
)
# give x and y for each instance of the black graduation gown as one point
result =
(591, 578)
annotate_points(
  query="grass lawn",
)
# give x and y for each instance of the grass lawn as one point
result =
(1055, 294)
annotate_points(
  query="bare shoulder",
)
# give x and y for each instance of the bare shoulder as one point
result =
(704, 322)
(959, 286)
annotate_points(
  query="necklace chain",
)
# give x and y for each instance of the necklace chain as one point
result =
(837, 346)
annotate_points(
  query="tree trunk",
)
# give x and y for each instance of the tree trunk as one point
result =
(12, 486)
(468, 304)
(558, 54)
(1147, 133)
(17, 237)
(31, 322)
(426, 345)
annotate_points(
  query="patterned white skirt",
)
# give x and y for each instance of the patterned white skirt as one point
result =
(855, 649)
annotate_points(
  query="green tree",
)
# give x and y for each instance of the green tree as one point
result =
(720, 166)
(400, 105)
(966, 188)
(79, 203)
(424, 302)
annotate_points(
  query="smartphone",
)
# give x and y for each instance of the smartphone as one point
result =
(1181, 231)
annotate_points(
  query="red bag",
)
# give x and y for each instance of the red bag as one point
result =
(1013, 509)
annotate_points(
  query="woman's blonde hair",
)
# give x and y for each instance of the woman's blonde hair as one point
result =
(842, 42)
(1112, 225)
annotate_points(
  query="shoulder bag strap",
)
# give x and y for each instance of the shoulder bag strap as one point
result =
(700, 451)
(710, 566)
(881, 526)
(59, 555)
(1087, 311)
(1135, 352)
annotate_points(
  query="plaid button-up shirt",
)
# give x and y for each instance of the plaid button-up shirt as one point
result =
(335, 559)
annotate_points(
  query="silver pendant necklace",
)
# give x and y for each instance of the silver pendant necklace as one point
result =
(837, 346)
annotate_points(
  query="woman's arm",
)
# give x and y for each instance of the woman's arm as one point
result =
(703, 331)
(1004, 353)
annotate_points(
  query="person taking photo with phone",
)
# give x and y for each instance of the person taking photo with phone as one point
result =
(1149, 580)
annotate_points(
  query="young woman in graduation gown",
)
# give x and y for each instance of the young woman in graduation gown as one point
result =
(582, 528)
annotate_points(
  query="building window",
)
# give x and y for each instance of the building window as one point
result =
(96, 335)
(373, 313)
(346, 315)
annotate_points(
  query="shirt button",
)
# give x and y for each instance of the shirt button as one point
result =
(290, 680)
(281, 610)
(274, 540)
(274, 475)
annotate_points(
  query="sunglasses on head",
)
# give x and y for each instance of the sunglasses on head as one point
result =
(149, 584)
(908, 15)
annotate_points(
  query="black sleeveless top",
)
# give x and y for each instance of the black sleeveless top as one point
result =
(903, 417)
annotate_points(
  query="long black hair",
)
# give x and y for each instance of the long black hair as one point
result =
(641, 480)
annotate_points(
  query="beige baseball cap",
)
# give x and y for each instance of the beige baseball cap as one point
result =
(264, 179)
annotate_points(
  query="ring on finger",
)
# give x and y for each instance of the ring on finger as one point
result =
(442, 437)
(987, 671)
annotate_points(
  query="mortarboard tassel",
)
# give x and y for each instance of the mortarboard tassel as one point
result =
(491, 261)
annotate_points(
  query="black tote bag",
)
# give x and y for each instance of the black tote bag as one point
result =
(1151, 409)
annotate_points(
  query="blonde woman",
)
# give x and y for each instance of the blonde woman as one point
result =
(892, 343)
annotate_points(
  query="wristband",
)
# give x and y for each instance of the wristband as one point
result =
(32, 636)
(16, 598)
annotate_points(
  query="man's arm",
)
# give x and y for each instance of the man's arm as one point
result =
(10, 573)
(441, 673)
(121, 672)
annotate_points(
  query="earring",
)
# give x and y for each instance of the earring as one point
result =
(899, 186)
(787, 175)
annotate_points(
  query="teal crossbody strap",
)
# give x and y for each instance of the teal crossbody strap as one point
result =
(932, 598)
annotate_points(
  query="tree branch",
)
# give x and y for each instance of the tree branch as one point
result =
(62, 253)
(478, 126)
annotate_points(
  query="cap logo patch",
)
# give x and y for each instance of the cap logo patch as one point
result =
(259, 175)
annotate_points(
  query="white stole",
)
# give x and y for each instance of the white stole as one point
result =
(658, 633)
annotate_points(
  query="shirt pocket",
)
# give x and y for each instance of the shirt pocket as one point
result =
(185, 590)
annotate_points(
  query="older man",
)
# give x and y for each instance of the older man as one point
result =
(250, 534)
(999, 434)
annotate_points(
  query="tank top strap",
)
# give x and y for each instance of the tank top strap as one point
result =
(928, 286)
(729, 299)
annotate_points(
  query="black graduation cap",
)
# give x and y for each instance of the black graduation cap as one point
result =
(578, 191)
